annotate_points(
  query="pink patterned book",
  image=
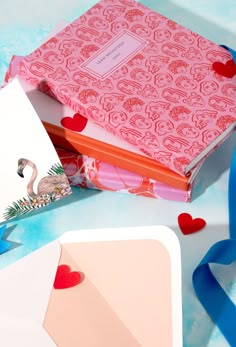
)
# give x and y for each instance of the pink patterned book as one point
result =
(92, 140)
(143, 78)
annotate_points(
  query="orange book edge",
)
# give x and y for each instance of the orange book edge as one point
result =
(127, 160)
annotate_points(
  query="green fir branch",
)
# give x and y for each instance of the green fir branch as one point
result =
(17, 209)
(56, 169)
(22, 206)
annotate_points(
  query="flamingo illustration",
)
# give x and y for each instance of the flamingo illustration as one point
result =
(46, 185)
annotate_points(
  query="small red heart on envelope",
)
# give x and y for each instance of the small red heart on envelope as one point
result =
(76, 123)
(227, 70)
(188, 225)
(65, 278)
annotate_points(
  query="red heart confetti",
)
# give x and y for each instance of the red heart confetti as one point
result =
(188, 225)
(76, 123)
(227, 70)
(65, 278)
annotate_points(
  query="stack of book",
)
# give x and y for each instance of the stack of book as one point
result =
(136, 100)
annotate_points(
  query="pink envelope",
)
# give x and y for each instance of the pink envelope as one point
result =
(129, 293)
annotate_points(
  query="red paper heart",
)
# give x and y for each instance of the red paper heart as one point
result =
(188, 225)
(227, 70)
(76, 123)
(66, 278)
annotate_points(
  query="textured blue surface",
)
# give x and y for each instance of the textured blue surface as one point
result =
(23, 26)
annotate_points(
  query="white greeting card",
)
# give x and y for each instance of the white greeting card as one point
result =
(31, 175)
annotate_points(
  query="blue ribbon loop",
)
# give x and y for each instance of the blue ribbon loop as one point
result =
(231, 51)
(212, 296)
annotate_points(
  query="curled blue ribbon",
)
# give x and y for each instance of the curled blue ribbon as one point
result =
(213, 298)
(231, 51)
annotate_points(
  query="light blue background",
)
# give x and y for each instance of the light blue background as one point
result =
(23, 25)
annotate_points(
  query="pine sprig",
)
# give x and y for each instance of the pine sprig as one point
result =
(56, 169)
(24, 205)
(17, 208)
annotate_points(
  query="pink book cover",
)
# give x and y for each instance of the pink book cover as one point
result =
(143, 78)
(94, 141)
(87, 172)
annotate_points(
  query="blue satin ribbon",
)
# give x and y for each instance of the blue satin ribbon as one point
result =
(232, 197)
(213, 298)
(231, 51)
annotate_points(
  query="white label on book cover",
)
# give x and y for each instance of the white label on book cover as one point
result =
(114, 54)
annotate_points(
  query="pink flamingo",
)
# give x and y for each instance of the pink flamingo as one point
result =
(46, 185)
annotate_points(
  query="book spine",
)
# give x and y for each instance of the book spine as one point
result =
(87, 172)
